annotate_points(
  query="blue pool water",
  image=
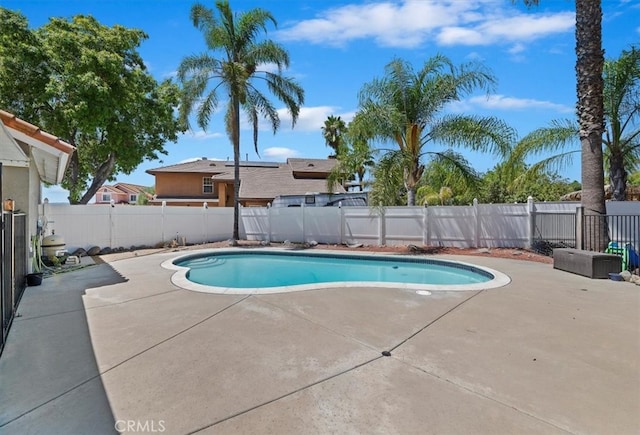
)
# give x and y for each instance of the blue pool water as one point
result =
(278, 269)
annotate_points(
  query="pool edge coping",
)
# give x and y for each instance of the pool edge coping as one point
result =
(179, 277)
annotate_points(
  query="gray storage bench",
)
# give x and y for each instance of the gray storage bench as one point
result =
(587, 263)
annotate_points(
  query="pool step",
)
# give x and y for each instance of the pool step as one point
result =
(201, 263)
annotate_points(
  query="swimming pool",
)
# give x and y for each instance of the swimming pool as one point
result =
(243, 271)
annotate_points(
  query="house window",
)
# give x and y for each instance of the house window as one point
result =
(106, 197)
(207, 185)
(133, 198)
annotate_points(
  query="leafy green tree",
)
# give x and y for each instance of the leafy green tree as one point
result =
(405, 107)
(621, 139)
(238, 74)
(622, 113)
(388, 187)
(23, 67)
(90, 87)
(449, 178)
(499, 186)
(356, 158)
(333, 131)
(143, 198)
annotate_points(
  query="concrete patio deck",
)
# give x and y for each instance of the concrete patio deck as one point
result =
(117, 347)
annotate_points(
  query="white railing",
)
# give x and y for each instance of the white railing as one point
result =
(478, 225)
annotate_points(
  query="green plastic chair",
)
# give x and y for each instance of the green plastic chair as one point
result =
(622, 251)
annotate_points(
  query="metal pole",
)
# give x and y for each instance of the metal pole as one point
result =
(579, 227)
(2, 301)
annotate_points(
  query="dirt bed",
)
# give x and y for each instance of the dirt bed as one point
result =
(512, 253)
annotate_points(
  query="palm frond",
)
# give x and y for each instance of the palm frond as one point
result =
(388, 188)
(559, 136)
(251, 23)
(557, 163)
(456, 169)
(486, 134)
(207, 106)
(269, 52)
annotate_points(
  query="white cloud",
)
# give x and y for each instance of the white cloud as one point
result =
(309, 119)
(501, 102)
(279, 153)
(516, 49)
(312, 118)
(410, 23)
(475, 56)
(268, 67)
(501, 28)
(203, 135)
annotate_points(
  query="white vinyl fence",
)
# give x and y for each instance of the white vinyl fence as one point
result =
(479, 225)
(126, 226)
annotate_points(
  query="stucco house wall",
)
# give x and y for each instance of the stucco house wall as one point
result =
(29, 157)
(260, 182)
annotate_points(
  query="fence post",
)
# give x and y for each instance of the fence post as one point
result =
(425, 225)
(476, 214)
(381, 226)
(304, 238)
(342, 223)
(205, 207)
(164, 205)
(579, 226)
(531, 211)
(268, 238)
(111, 224)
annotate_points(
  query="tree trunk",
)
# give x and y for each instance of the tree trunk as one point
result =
(101, 176)
(235, 137)
(411, 196)
(589, 64)
(617, 178)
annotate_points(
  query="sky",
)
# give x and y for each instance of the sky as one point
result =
(336, 47)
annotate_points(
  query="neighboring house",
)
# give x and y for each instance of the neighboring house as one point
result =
(211, 181)
(121, 193)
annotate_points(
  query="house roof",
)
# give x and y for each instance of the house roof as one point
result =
(263, 180)
(312, 165)
(50, 153)
(197, 166)
(123, 189)
(130, 188)
(267, 183)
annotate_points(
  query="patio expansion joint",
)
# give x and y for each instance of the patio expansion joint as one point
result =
(320, 381)
(23, 318)
(457, 384)
(284, 396)
(450, 310)
(485, 396)
(99, 375)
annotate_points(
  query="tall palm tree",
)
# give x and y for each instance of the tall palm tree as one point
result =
(333, 131)
(621, 138)
(354, 162)
(405, 107)
(590, 105)
(239, 74)
(622, 111)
